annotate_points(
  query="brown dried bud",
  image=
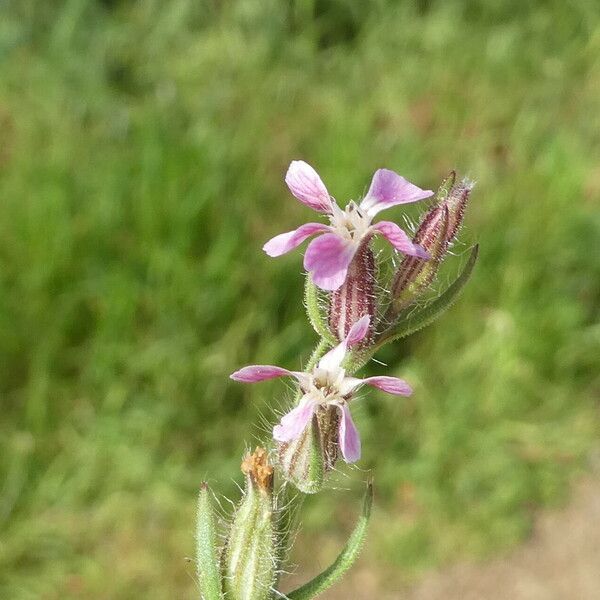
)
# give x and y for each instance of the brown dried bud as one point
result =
(258, 470)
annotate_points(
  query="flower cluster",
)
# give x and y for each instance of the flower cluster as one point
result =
(340, 262)
(355, 307)
(327, 385)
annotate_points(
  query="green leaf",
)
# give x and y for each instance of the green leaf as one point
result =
(411, 320)
(207, 562)
(313, 309)
(345, 559)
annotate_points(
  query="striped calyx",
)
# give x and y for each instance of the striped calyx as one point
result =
(356, 297)
(415, 274)
(436, 232)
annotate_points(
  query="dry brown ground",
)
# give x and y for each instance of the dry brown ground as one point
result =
(560, 561)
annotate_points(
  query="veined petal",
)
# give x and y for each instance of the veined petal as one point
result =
(293, 423)
(284, 242)
(358, 331)
(388, 189)
(348, 436)
(398, 238)
(391, 385)
(255, 373)
(305, 183)
(327, 258)
(334, 358)
(349, 384)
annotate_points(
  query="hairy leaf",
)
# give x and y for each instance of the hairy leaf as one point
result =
(345, 559)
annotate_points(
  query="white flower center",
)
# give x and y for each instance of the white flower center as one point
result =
(351, 223)
(325, 386)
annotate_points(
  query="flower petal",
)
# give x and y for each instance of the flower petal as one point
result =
(348, 436)
(358, 331)
(398, 238)
(284, 242)
(391, 385)
(293, 423)
(333, 359)
(349, 384)
(328, 258)
(388, 189)
(305, 183)
(254, 373)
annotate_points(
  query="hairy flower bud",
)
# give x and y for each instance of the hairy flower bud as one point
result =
(457, 202)
(207, 563)
(435, 233)
(249, 559)
(356, 297)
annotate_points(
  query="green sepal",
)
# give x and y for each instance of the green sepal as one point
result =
(207, 561)
(301, 460)
(315, 315)
(445, 187)
(413, 319)
(345, 559)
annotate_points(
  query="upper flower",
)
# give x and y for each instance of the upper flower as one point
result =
(328, 256)
(326, 385)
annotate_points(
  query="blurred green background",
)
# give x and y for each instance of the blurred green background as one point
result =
(142, 152)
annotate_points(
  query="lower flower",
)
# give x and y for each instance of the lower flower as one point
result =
(326, 394)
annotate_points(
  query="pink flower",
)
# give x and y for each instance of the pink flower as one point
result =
(327, 385)
(329, 255)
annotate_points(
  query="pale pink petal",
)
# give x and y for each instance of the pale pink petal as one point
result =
(398, 238)
(254, 373)
(358, 331)
(284, 242)
(305, 183)
(333, 359)
(388, 189)
(349, 384)
(327, 258)
(391, 385)
(348, 436)
(293, 423)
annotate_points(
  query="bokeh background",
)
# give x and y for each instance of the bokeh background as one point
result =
(142, 151)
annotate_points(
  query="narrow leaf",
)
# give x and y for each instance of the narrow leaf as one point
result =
(345, 559)
(411, 320)
(207, 561)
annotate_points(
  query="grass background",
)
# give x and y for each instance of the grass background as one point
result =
(142, 152)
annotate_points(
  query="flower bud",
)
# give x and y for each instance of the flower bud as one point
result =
(209, 576)
(435, 233)
(457, 202)
(356, 297)
(250, 556)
